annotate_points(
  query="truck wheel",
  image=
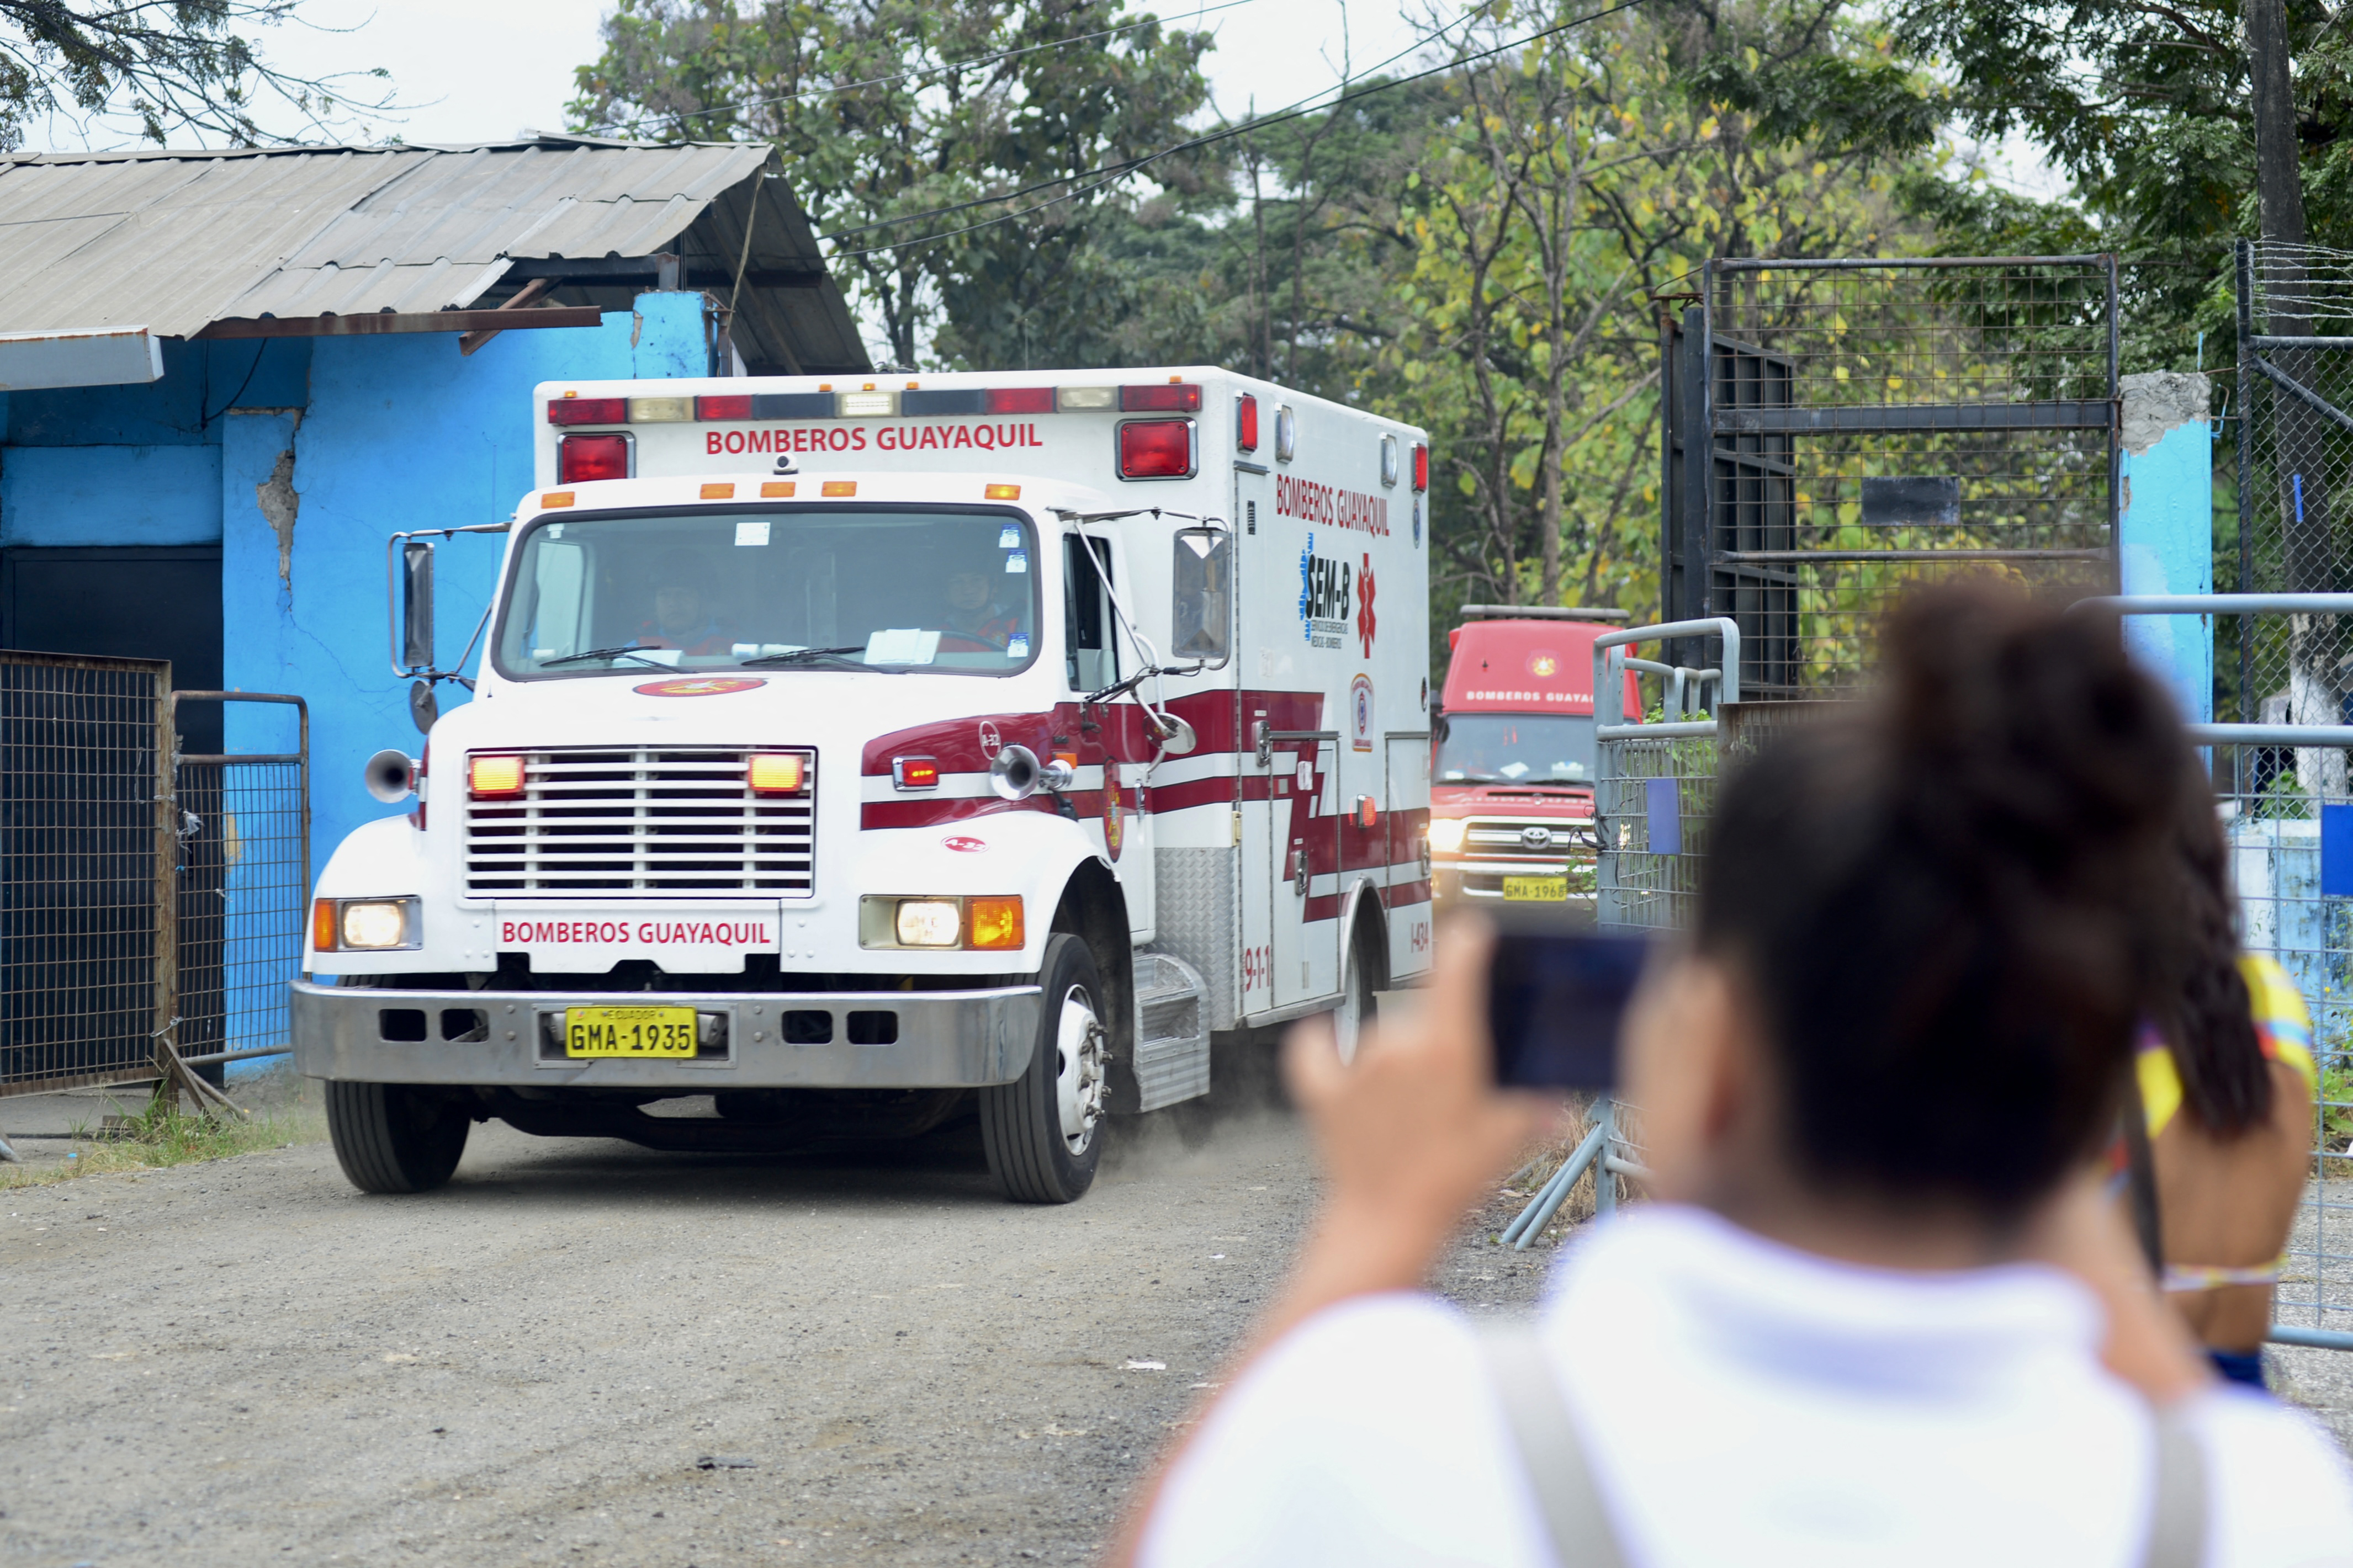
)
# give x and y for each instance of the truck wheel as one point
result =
(1041, 1131)
(395, 1137)
(1362, 973)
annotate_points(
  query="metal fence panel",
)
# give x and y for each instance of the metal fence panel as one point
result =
(86, 939)
(244, 889)
(1868, 423)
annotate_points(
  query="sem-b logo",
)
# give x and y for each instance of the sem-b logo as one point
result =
(1325, 597)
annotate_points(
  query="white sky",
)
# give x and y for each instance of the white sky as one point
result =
(483, 70)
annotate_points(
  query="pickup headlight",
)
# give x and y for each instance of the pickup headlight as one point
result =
(366, 925)
(1445, 834)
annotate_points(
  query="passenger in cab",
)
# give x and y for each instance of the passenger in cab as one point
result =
(974, 618)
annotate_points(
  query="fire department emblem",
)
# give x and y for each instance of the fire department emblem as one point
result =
(1543, 666)
(698, 686)
(1364, 621)
(991, 742)
(1110, 809)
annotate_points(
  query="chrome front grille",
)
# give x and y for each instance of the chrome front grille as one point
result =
(642, 823)
(1506, 839)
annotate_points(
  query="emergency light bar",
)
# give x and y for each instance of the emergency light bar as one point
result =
(873, 401)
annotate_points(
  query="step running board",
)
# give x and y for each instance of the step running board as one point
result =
(1172, 1047)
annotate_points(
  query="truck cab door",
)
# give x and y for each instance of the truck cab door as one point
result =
(1110, 737)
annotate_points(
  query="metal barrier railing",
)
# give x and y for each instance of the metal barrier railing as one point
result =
(1656, 788)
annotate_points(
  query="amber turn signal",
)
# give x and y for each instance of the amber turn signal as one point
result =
(777, 773)
(495, 777)
(993, 922)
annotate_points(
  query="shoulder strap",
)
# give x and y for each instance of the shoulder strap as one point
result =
(1541, 1430)
(2177, 1518)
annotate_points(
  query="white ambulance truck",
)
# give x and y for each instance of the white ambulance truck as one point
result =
(863, 754)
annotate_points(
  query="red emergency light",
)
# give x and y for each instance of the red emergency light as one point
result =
(1420, 467)
(588, 411)
(1156, 449)
(580, 458)
(1018, 400)
(1246, 421)
(915, 772)
(1173, 397)
(728, 405)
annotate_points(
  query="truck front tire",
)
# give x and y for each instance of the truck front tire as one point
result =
(395, 1137)
(1043, 1132)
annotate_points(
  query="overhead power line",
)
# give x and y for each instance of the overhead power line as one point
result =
(910, 75)
(1113, 172)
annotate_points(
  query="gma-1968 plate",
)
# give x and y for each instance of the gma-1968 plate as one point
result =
(629, 1031)
(1552, 890)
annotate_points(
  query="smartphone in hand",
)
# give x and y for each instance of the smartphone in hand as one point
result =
(1554, 1002)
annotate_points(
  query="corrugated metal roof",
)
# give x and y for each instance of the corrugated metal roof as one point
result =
(175, 241)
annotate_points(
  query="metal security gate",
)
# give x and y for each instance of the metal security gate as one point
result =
(244, 880)
(1835, 430)
(151, 903)
(87, 937)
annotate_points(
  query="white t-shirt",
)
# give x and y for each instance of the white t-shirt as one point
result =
(1740, 1402)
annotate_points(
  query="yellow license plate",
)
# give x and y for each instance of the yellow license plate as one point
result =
(629, 1031)
(1553, 889)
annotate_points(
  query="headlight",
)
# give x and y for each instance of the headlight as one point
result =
(991, 922)
(929, 922)
(365, 925)
(1445, 834)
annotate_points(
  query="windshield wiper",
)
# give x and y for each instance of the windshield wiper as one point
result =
(831, 655)
(627, 650)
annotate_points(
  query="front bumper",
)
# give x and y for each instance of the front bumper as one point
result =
(922, 1039)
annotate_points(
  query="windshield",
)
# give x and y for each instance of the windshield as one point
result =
(885, 589)
(1515, 748)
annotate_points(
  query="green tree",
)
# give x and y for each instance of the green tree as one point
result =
(155, 67)
(889, 110)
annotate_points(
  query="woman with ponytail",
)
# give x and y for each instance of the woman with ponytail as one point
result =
(1875, 1087)
(2226, 1080)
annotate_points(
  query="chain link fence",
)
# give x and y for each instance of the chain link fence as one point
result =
(150, 902)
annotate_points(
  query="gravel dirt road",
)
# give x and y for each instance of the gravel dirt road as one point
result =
(877, 1360)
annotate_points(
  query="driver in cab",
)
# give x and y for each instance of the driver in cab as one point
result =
(681, 616)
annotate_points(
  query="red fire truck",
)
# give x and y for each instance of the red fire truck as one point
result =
(1513, 756)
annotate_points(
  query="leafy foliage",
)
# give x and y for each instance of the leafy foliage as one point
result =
(161, 65)
(889, 110)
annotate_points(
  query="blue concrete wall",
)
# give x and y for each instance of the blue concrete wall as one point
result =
(2167, 529)
(400, 432)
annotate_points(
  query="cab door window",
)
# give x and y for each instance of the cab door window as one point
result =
(1090, 651)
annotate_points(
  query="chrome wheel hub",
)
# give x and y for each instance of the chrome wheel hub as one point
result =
(1082, 1081)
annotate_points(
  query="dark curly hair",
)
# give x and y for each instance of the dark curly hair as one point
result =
(1947, 900)
(2199, 1003)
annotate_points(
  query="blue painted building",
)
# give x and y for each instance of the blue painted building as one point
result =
(341, 343)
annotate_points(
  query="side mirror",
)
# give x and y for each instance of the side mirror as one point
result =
(417, 604)
(1176, 737)
(1201, 609)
